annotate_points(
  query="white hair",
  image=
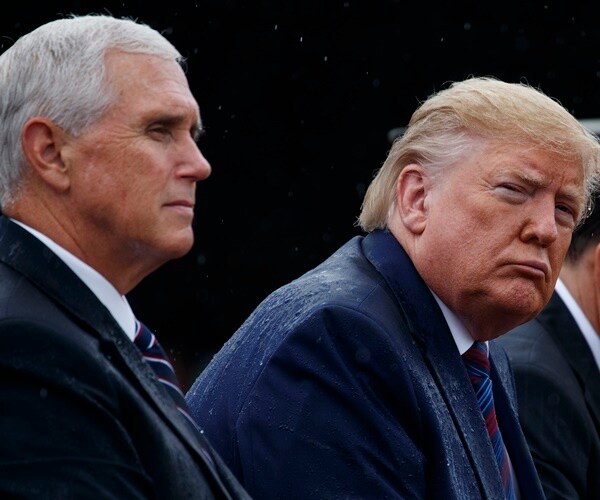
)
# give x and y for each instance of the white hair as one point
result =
(58, 71)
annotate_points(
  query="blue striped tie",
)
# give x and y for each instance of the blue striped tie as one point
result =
(156, 357)
(478, 367)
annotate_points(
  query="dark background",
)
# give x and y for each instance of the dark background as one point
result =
(298, 99)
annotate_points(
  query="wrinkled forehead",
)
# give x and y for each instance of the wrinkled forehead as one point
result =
(541, 167)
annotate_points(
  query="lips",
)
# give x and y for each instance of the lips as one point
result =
(180, 203)
(535, 267)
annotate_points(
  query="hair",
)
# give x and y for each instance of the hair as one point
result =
(587, 234)
(58, 71)
(451, 124)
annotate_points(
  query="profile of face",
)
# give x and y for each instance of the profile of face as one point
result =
(134, 172)
(495, 230)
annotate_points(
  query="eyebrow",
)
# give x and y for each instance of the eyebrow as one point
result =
(567, 193)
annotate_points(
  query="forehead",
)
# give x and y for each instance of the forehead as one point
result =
(534, 165)
(141, 80)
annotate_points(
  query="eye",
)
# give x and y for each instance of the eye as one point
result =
(159, 131)
(513, 193)
(564, 208)
(566, 214)
(510, 187)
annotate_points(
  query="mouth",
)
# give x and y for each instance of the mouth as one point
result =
(534, 268)
(183, 206)
(180, 203)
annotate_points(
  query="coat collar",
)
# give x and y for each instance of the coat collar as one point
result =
(430, 331)
(30, 257)
(559, 323)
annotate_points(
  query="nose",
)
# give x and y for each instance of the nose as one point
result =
(194, 165)
(540, 223)
(202, 166)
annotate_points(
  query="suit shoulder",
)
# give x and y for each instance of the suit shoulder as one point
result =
(346, 285)
(538, 362)
(344, 303)
(529, 343)
(345, 279)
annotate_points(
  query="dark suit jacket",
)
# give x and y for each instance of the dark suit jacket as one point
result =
(81, 414)
(558, 388)
(347, 383)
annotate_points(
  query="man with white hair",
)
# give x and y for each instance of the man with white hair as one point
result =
(98, 169)
(375, 375)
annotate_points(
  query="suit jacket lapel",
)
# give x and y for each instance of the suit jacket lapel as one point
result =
(559, 323)
(28, 256)
(428, 327)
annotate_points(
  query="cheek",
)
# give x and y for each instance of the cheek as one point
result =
(557, 256)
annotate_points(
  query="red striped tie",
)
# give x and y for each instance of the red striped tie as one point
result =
(478, 367)
(156, 357)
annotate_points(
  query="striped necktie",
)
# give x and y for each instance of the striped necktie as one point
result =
(478, 367)
(156, 357)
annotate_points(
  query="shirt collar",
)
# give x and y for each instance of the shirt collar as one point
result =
(588, 331)
(461, 336)
(106, 293)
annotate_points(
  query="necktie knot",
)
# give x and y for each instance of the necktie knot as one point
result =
(477, 363)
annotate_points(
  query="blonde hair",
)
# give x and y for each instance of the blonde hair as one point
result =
(450, 123)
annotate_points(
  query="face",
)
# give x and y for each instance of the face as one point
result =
(133, 174)
(498, 227)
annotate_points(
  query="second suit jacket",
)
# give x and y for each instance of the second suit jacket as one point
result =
(558, 387)
(347, 383)
(82, 415)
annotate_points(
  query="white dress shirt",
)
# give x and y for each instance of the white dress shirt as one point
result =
(106, 293)
(589, 333)
(461, 336)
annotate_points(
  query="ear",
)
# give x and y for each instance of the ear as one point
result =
(412, 189)
(42, 142)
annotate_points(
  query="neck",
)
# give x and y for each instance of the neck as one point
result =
(123, 274)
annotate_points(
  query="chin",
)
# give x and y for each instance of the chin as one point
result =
(178, 246)
(182, 250)
(505, 311)
(523, 312)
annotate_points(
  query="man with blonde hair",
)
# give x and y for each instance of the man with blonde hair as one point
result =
(375, 375)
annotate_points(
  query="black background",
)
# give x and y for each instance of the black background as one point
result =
(298, 99)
